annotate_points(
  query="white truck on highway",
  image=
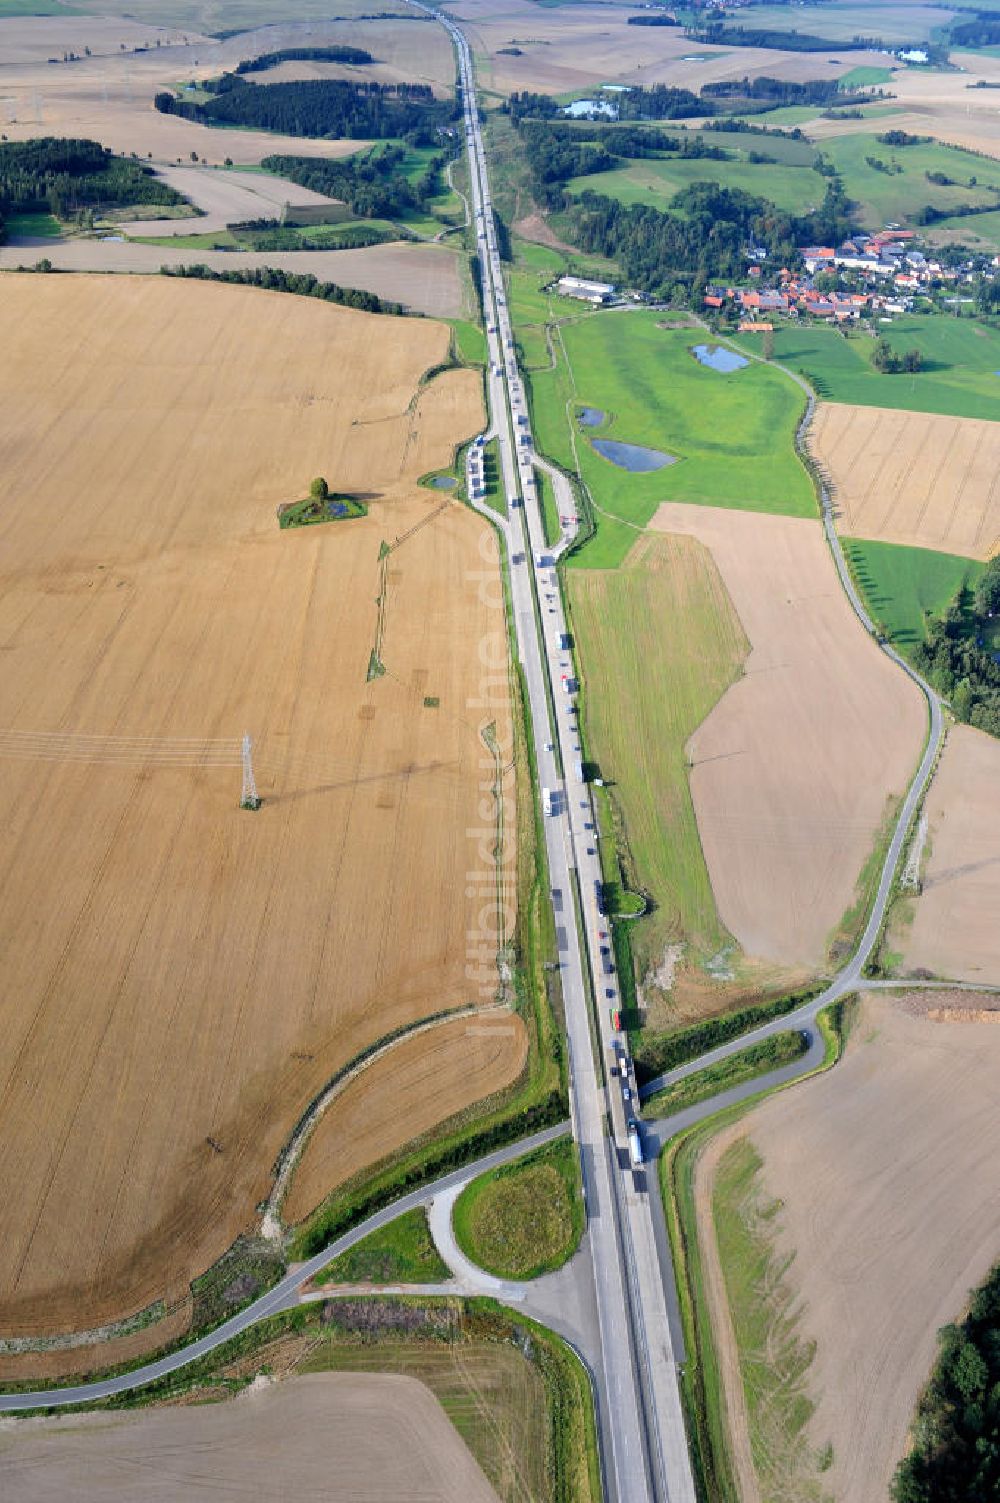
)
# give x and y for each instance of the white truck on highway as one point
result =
(551, 800)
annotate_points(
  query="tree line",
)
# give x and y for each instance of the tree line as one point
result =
(333, 108)
(62, 177)
(955, 658)
(665, 102)
(716, 34)
(956, 1438)
(355, 55)
(303, 284)
(372, 184)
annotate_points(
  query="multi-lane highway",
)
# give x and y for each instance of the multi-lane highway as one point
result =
(643, 1421)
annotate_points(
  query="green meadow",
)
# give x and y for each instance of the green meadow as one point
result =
(731, 436)
(961, 360)
(902, 586)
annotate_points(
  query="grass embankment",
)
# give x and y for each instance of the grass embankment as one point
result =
(731, 435)
(961, 358)
(768, 1366)
(666, 1052)
(401, 1253)
(660, 643)
(903, 586)
(515, 1392)
(550, 514)
(525, 1218)
(760, 1059)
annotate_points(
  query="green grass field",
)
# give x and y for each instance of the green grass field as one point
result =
(961, 360)
(400, 1253)
(731, 435)
(660, 643)
(774, 1356)
(42, 225)
(885, 197)
(525, 1218)
(793, 188)
(865, 78)
(900, 585)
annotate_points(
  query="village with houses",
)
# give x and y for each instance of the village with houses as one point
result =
(878, 275)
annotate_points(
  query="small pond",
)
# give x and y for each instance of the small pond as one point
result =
(444, 482)
(632, 457)
(718, 359)
(590, 417)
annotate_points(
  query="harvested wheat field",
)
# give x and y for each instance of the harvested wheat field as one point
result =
(576, 46)
(792, 770)
(409, 1091)
(956, 923)
(109, 98)
(424, 278)
(182, 977)
(347, 1437)
(405, 49)
(912, 477)
(886, 1239)
(227, 197)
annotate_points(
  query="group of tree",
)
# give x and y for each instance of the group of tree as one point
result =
(652, 18)
(372, 184)
(780, 92)
(303, 284)
(555, 153)
(357, 56)
(66, 177)
(892, 362)
(956, 1439)
(956, 658)
(325, 107)
(717, 34)
(702, 237)
(901, 138)
(983, 31)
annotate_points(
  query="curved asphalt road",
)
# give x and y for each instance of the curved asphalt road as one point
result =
(281, 1297)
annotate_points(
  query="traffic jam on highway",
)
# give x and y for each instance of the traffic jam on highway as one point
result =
(557, 802)
(643, 1433)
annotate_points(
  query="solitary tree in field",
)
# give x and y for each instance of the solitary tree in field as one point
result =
(768, 347)
(319, 490)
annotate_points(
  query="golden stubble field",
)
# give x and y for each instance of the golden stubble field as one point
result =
(792, 770)
(916, 478)
(181, 977)
(884, 1184)
(577, 46)
(362, 1437)
(108, 95)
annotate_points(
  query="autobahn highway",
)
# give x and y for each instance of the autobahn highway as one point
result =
(644, 1424)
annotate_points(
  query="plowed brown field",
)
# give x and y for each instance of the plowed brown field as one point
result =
(886, 1182)
(912, 477)
(342, 1437)
(181, 977)
(956, 924)
(407, 1092)
(792, 769)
